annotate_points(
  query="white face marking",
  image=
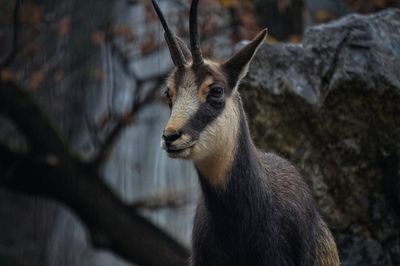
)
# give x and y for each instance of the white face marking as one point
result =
(215, 149)
(219, 135)
(186, 103)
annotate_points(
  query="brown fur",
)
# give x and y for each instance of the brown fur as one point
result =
(255, 210)
(214, 156)
(289, 191)
(327, 254)
(204, 89)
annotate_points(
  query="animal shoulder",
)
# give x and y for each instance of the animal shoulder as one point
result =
(285, 182)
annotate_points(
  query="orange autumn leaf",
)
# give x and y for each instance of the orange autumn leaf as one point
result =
(378, 3)
(32, 49)
(58, 75)
(98, 37)
(7, 75)
(323, 15)
(294, 38)
(127, 117)
(36, 79)
(227, 3)
(30, 14)
(64, 27)
(98, 74)
(125, 32)
(150, 15)
(271, 40)
(102, 121)
(148, 45)
(283, 5)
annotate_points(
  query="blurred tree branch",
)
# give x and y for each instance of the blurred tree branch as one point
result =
(14, 40)
(51, 171)
(139, 102)
(165, 200)
(127, 119)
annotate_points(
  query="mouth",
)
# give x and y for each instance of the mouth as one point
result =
(176, 151)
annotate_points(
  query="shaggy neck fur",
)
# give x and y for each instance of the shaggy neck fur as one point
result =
(233, 172)
(259, 212)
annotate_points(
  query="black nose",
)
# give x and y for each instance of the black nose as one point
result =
(171, 137)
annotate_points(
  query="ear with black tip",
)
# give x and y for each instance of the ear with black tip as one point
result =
(237, 66)
(184, 49)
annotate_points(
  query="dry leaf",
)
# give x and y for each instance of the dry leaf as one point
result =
(227, 3)
(36, 79)
(64, 27)
(294, 38)
(323, 15)
(98, 37)
(98, 74)
(7, 75)
(103, 121)
(148, 45)
(150, 15)
(271, 40)
(125, 32)
(30, 14)
(58, 75)
(283, 5)
(32, 49)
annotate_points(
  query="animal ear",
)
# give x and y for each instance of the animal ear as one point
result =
(184, 49)
(237, 66)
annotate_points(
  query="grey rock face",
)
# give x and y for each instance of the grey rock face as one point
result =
(332, 106)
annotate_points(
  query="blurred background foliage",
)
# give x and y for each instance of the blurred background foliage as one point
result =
(286, 20)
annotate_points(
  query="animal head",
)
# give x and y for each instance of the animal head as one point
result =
(202, 94)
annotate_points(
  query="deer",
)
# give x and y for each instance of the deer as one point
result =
(255, 208)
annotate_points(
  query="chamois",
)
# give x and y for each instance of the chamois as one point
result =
(255, 208)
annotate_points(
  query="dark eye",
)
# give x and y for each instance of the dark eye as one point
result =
(216, 91)
(169, 100)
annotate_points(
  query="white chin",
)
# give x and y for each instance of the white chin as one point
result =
(183, 154)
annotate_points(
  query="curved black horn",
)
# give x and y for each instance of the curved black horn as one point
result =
(194, 36)
(176, 53)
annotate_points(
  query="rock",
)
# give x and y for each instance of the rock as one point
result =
(332, 106)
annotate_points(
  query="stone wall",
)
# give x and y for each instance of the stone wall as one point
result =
(332, 106)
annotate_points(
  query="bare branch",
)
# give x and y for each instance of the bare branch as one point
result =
(111, 224)
(13, 49)
(6, 157)
(4, 150)
(20, 107)
(128, 118)
(57, 174)
(125, 62)
(166, 200)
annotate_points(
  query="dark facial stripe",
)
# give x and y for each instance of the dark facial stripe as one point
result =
(204, 116)
(209, 110)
